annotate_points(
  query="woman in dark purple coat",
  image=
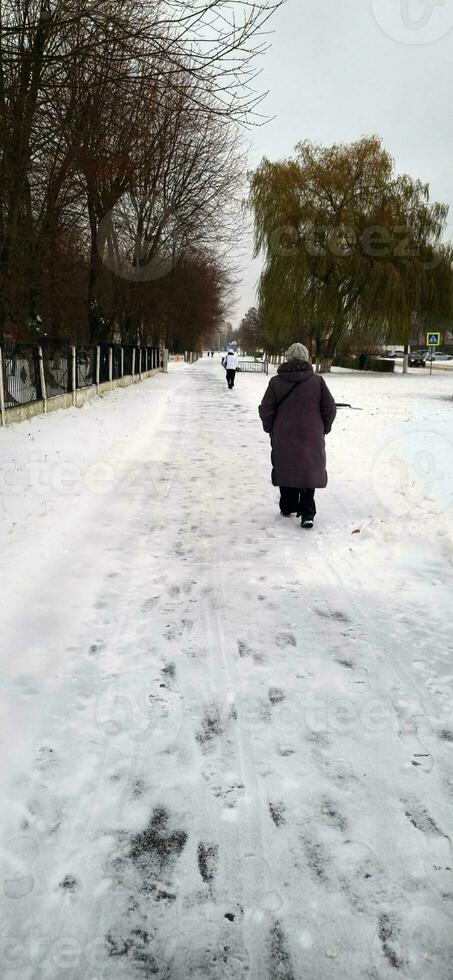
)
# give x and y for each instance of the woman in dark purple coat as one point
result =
(298, 411)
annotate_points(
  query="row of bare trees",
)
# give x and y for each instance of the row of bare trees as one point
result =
(121, 163)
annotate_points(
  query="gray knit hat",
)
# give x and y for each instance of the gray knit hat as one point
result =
(297, 352)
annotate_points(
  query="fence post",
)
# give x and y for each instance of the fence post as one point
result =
(74, 373)
(98, 367)
(111, 366)
(133, 365)
(2, 391)
(140, 363)
(122, 362)
(42, 378)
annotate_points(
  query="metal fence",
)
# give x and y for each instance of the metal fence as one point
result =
(128, 359)
(86, 367)
(65, 368)
(117, 365)
(21, 376)
(254, 367)
(57, 362)
(29, 374)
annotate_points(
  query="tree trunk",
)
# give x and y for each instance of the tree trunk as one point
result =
(93, 266)
(324, 365)
(18, 150)
(406, 359)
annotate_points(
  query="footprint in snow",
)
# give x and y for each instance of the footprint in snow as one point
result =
(169, 670)
(96, 648)
(208, 856)
(339, 771)
(277, 812)
(280, 964)
(45, 758)
(317, 738)
(136, 947)
(317, 858)
(69, 883)
(332, 815)
(445, 735)
(170, 631)
(285, 640)
(244, 649)
(212, 727)
(138, 789)
(335, 614)
(285, 750)
(389, 932)
(419, 817)
(156, 850)
(347, 664)
(150, 603)
(276, 695)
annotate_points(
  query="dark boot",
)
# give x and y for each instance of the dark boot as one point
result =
(307, 508)
(289, 501)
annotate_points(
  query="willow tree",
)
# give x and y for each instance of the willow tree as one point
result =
(350, 247)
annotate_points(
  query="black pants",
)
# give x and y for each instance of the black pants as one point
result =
(300, 502)
(230, 377)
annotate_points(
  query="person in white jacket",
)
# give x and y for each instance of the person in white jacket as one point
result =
(231, 364)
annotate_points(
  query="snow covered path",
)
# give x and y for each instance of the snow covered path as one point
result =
(228, 742)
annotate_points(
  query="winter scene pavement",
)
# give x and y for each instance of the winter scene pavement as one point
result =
(227, 742)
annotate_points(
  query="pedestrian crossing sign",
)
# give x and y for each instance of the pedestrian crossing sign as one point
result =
(433, 339)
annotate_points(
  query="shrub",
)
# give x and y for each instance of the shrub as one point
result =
(379, 364)
(346, 361)
(351, 361)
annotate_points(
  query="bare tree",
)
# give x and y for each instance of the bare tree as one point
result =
(83, 87)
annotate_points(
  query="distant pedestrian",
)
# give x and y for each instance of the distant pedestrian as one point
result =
(298, 410)
(362, 361)
(231, 365)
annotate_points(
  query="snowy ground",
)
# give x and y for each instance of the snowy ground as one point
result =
(228, 742)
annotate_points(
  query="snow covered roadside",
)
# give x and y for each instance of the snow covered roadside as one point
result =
(228, 742)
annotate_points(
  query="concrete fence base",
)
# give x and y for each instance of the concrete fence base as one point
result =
(75, 398)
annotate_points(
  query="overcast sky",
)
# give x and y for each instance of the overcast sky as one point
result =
(339, 69)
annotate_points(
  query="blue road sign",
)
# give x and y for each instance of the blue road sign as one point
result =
(433, 339)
